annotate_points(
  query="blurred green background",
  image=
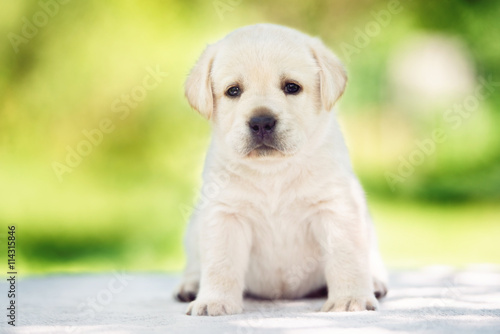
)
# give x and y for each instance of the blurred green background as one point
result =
(67, 67)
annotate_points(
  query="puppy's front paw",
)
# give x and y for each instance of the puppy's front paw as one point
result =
(214, 307)
(350, 304)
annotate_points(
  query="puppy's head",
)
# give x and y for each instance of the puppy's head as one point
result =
(267, 90)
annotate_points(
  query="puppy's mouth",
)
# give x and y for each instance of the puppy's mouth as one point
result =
(264, 149)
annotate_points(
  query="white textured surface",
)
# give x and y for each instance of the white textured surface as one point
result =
(432, 300)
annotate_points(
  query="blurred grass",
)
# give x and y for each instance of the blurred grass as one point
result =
(135, 231)
(125, 206)
(415, 234)
(98, 229)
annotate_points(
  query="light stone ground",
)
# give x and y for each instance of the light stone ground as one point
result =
(430, 300)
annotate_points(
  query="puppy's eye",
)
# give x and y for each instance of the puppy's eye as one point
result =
(291, 88)
(233, 91)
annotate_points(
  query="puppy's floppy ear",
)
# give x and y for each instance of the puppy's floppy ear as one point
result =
(198, 87)
(332, 75)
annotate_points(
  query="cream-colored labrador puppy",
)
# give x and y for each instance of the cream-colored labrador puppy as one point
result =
(282, 214)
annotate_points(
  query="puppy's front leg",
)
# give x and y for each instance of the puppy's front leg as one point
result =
(345, 247)
(225, 247)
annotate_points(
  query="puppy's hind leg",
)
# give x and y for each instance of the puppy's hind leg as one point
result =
(190, 284)
(377, 267)
(379, 272)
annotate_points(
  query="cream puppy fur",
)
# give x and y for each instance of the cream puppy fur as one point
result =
(282, 213)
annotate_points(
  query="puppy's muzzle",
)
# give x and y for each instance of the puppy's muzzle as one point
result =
(263, 135)
(262, 128)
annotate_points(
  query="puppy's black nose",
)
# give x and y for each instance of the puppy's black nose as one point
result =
(262, 125)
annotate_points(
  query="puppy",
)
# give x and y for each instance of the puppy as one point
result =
(282, 214)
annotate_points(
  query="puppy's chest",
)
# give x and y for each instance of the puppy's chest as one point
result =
(280, 217)
(281, 224)
(281, 208)
(284, 255)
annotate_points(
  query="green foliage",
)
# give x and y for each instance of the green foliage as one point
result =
(125, 204)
